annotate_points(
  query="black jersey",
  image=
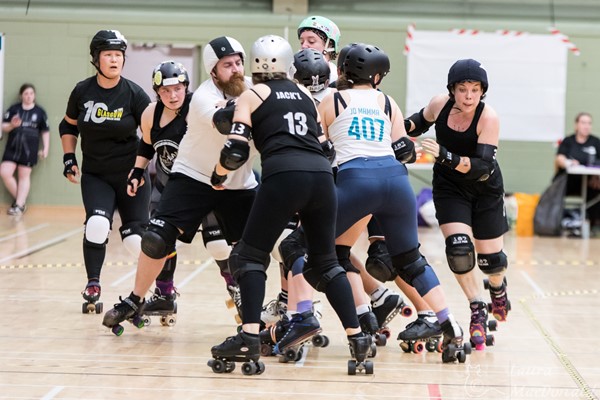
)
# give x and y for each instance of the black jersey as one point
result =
(586, 153)
(33, 121)
(285, 129)
(107, 120)
(166, 139)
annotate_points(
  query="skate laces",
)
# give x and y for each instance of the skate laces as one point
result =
(91, 290)
(126, 305)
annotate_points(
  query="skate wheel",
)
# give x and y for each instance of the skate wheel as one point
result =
(229, 303)
(373, 350)
(320, 341)
(462, 357)
(218, 366)
(380, 339)
(439, 346)
(147, 321)
(492, 325)
(486, 284)
(249, 368)
(447, 356)
(84, 308)
(430, 346)
(369, 367)
(266, 350)
(261, 367)
(405, 346)
(99, 307)
(117, 330)
(229, 366)
(290, 355)
(385, 331)
(490, 340)
(406, 311)
(467, 348)
(351, 367)
(418, 347)
(138, 322)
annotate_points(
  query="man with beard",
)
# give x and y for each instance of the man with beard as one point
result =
(189, 195)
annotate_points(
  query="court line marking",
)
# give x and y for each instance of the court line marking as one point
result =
(29, 230)
(41, 245)
(121, 279)
(532, 283)
(55, 390)
(434, 392)
(191, 276)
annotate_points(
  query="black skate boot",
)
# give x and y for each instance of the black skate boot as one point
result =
(360, 349)
(369, 325)
(241, 347)
(235, 301)
(479, 325)
(128, 310)
(270, 336)
(500, 305)
(453, 347)
(386, 307)
(164, 306)
(91, 295)
(424, 333)
(302, 328)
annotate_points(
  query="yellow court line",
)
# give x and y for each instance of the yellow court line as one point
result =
(80, 264)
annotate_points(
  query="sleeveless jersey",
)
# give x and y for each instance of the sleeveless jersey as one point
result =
(107, 120)
(33, 121)
(284, 130)
(166, 139)
(362, 129)
(201, 146)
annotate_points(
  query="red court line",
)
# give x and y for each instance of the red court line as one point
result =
(434, 392)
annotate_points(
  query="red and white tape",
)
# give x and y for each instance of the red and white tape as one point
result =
(410, 30)
(565, 39)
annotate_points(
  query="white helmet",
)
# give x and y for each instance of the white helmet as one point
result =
(271, 53)
(219, 48)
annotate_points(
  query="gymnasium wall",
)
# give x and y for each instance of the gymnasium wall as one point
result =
(49, 47)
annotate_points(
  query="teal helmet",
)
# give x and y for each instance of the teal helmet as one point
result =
(326, 27)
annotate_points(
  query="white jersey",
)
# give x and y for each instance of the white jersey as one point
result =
(200, 148)
(333, 75)
(320, 95)
(363, 129)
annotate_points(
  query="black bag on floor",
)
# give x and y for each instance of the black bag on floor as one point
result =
(549, 211)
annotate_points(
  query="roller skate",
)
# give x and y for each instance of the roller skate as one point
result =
(479, 325)
(500, 305)
(386, 307)
(368, 324)
(241, 347)
(164, 306)
(424, 333)
(302, 329)
(91, 295)
(128, 310)
(273, 311)
(360, 349)
(453, 347)
(235, 301)
(270, 336)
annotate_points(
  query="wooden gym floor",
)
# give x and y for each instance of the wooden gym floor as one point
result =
(548, 349)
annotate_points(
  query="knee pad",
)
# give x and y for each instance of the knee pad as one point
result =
(343, 256)
(379, 262)
(218, 249)
(494, 263)
(131, 235)
(320, 270)
(245, 258)
(97, 228)
(460, 253)
(292, 248)
(409, 265)
(159, 239)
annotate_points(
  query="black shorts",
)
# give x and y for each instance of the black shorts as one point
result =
(22, 149)
(185, 202)
(477, 204)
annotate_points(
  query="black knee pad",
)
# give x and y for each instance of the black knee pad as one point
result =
(379, 263)
(211, 232)
(245, 258)
(292, 248)
(95, 245)
(132, 228)
(494, 263)
(159, 239)
(343, 256)
(320, 270)
(460, 253)
(409, 265)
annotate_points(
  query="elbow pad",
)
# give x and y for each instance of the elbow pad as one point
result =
(223, 118)
(145, 150)
(329, 150)
(65, 128)
(404, 150)
(421, 124)
(483, 164)
(234, 154)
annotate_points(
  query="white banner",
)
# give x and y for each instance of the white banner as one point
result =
(527, 77)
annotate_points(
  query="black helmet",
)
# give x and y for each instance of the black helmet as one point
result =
(467, 70)
(107, 40)
(363, 62)
(312, 70)
(342, 56)
(169, 73)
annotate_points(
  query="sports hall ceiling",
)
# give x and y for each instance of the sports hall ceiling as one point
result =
(540, 10)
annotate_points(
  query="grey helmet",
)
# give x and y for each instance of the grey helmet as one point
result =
(271, 54)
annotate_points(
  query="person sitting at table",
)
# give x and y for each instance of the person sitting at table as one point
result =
(581, 148)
